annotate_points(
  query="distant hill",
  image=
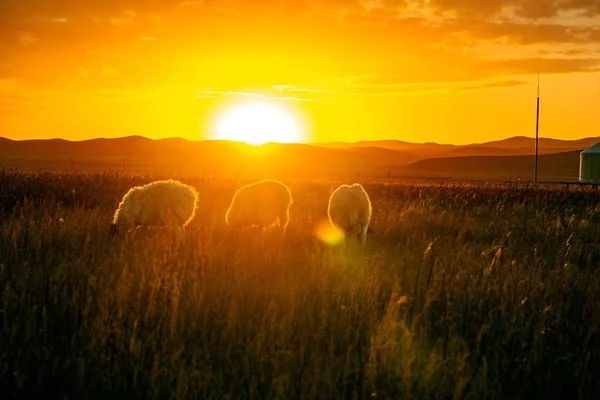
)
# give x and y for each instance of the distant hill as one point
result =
(476, 151)
(420, 150)
(175, 148)
(545, 143)
(507, 159)
(129, 147)
(387, 144)
(207, 156)
(518, 145)
(558, 166)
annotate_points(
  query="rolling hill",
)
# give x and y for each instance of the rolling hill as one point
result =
(557, 166)
(207, 156)
(544, 143)
(518, 145)
(506, 159)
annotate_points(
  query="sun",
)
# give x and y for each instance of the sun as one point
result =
(257, 123)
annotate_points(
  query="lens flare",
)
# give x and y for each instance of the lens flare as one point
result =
(328, 233)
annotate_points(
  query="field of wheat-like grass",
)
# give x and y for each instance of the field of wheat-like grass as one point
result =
(462, 291)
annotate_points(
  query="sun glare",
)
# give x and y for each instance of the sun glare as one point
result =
(329, 234)
(258, 123)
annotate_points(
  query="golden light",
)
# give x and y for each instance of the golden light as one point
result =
(328, 233)
(258, 123)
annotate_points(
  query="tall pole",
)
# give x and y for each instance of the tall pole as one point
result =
(537, 125)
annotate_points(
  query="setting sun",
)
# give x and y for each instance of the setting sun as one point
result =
(258, 123)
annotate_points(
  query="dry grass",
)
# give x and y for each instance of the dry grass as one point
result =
(462, 292)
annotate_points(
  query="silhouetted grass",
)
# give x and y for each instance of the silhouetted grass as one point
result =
(462, 292)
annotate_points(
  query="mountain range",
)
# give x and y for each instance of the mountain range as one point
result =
(503, 159)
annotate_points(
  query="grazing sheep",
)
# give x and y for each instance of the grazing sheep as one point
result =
(167, 203)
(265, 203)
(350, 210)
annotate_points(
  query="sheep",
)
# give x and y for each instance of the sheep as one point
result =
(265, 203)
(350, 210)
(166, 203)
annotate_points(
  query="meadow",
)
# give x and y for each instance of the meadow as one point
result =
(462, 291)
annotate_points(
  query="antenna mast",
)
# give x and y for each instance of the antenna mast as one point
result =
(537, 124)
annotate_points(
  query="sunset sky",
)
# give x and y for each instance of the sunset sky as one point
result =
(449, 71)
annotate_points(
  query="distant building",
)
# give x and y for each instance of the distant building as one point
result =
(589, 164)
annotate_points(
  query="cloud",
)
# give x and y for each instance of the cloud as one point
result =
(353, 79)
(284, 88)
(421, 40)
(358, 87)
(16, 95)
(124, 18)
(490, 85)
(522, 33)
(209, 94)
(526, 8)
(190, 3)
(542, 65)
(480, 8)
(25, 38)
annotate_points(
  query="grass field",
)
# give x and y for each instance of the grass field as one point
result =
(465, 292)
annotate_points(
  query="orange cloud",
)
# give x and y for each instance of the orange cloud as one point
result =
(123, 18)
(190, 3)
(386, 88)
(25, 38)
(532, 9)
(342, 59)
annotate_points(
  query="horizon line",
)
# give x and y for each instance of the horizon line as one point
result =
(306, 143)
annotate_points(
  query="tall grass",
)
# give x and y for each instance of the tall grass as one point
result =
(461, 292)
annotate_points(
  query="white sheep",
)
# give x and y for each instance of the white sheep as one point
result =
(350, 210)
(265, 203)
(166, 203)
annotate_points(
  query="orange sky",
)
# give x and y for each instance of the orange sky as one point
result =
(451, 71)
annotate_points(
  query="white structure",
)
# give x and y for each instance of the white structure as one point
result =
(589, 164)
(350, 210)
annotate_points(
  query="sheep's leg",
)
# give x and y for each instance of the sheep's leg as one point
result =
(276, 226)
(132, 232)
(363, 233)
(281, 229)
(180, 232)
(284, 219)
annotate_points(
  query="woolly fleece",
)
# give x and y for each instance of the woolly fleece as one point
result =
(350, 210)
